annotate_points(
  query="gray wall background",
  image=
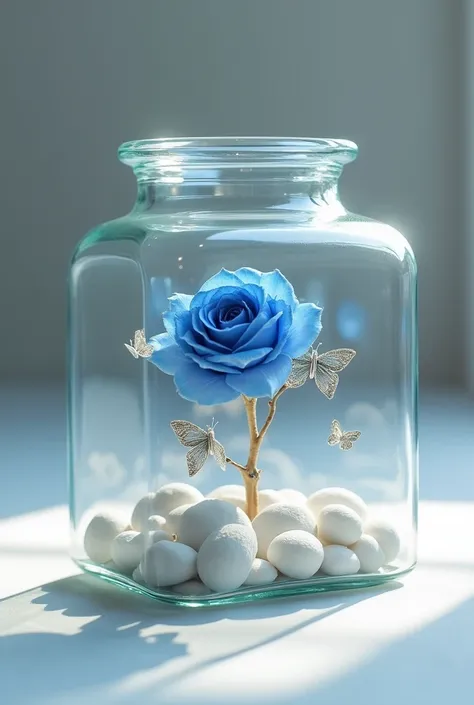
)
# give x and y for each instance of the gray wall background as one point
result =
(78, 78)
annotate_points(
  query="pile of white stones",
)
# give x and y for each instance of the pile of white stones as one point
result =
(180, 540)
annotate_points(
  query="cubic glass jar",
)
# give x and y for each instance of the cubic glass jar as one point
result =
(234, 254)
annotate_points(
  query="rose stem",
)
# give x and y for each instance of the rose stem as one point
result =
(240, 467)
(251, 474)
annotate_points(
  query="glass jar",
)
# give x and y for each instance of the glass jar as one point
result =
(218, 281)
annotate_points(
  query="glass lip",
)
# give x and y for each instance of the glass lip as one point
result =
(196, 152)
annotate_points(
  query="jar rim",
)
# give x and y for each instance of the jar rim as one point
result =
(237, 151)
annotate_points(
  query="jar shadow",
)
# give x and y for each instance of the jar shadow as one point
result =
(111, 634)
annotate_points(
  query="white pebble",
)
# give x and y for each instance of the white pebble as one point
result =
(339, 524)
(142, 511)
(290, 496)
(370, 555)
(336, 495)
(173, 523)
(174, 495)
(168, 563)
(297, 554)
(268, 497)
(276, 519)
(226, 556)
(235, 494)
(261, 572)
(191, 587)
(339, 560)
(386, 536)
(137, 575)
(155, 536)
(100, 533)
(155, 522)
(127, 550)
(201, 520)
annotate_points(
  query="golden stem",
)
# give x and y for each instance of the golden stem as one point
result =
(251, 473)
(251, 476)
(240, 467)
(272, 404)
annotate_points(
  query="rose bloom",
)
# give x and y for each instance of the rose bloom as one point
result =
(237, 335)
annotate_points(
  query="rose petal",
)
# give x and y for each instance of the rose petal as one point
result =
(230, 336)
(167, 355)
(183, 323)
(169, 319)
(222, 278)
(206, 363)
(284, 327)
(180, 302)
(264, 380)
(205, 300)
(305, 329)
(247, 275)
(243, 359)
(202, 335)
(278, 287)
(267, 335)
(257, 324)
(203, 386)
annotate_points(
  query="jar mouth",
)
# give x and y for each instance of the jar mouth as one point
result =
(237, 152)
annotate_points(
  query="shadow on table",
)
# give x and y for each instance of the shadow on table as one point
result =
(114, 643)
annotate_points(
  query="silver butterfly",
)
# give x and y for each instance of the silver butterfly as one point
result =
(202, 444)
(345, 439)
(139, 347)
(323, 368)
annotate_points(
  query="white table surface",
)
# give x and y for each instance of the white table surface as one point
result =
(76, 640)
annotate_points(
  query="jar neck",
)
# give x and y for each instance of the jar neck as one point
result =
(238, 174)
(313, 192)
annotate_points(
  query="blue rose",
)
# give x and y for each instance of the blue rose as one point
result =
(237, 335)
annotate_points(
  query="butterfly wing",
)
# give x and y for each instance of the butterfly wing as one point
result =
(348, 439)
(218, 453)
(197, 456)
(143, 348)
(188, 434)
(337, 360)
(300, 368)
(336, 433)
(131, 350)
(326, 380)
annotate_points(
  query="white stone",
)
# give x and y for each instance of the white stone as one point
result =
(201, 520)
(261, 573)
(235, 494)
(142, 511)
(276, 519)
(297, 554)
(339, 560)
(155, 536)
(191, 587)
(226, 556)
(168, 563)
(370, 555)
(100, 532)
(173, 522)
(339, 524)
(290, 496)
(268, 497)
(137, 575)
(155, 523)
(174, 495)
(386, 536)
(127, 550)
(336, 495)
